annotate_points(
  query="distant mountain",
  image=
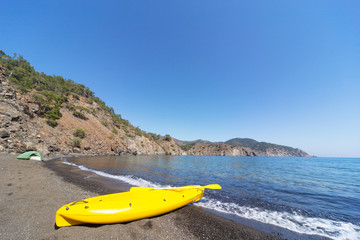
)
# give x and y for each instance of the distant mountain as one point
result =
(267, 149)
(180, 142)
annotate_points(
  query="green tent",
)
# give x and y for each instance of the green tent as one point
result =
(32, 155)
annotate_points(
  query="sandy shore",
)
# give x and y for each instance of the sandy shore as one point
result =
(31, 193)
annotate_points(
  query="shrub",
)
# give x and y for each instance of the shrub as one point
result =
(167, 137)
(80, 115)
(38, 98)
(104, 122)
(115, 131)
(76, 142)
(130, 135)
(154, 136)
(79, 132)
(187, 146)
(81, 108)
(70, 106)
(53, 113)
(75, 96)
(138, 131)
(52, 122)
(93, 111)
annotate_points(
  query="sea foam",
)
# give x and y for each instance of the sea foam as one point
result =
(291, 221)
(132, 180)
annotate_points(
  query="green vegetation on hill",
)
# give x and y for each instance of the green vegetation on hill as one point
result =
(186, 147)
(51, 92)
(79, 132)
(250, 143)
(76, 142)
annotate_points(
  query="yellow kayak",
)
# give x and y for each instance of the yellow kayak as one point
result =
(138, 203)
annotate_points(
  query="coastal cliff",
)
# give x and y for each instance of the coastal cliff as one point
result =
(56, 116)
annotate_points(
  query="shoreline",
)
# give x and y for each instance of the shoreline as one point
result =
(31, 192)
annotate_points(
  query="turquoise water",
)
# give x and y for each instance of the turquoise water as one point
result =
(317, 196)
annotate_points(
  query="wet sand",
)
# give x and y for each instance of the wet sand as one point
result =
(31, 192)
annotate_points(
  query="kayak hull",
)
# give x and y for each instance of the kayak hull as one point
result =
(136, 204)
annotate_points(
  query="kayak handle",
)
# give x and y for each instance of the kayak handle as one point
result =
(81, 201)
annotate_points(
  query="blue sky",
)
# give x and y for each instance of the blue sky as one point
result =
(286, 72)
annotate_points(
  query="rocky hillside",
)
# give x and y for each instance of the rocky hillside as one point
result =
(57, 116)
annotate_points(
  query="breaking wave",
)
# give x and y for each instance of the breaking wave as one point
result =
(291, 221)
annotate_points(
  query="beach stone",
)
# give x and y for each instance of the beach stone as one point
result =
(4, 133)
(10, 95)
(21, 148)
(14, 128)
(53, 148)
(31, 149)
(25, 148)
(15, 118)
(117, 150)
(4, 121)
(9, 109)
(28, 112)
(76, 150)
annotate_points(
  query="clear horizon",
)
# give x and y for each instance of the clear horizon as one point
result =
(275, 71)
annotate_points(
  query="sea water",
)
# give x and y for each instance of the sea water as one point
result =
(315, 196)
